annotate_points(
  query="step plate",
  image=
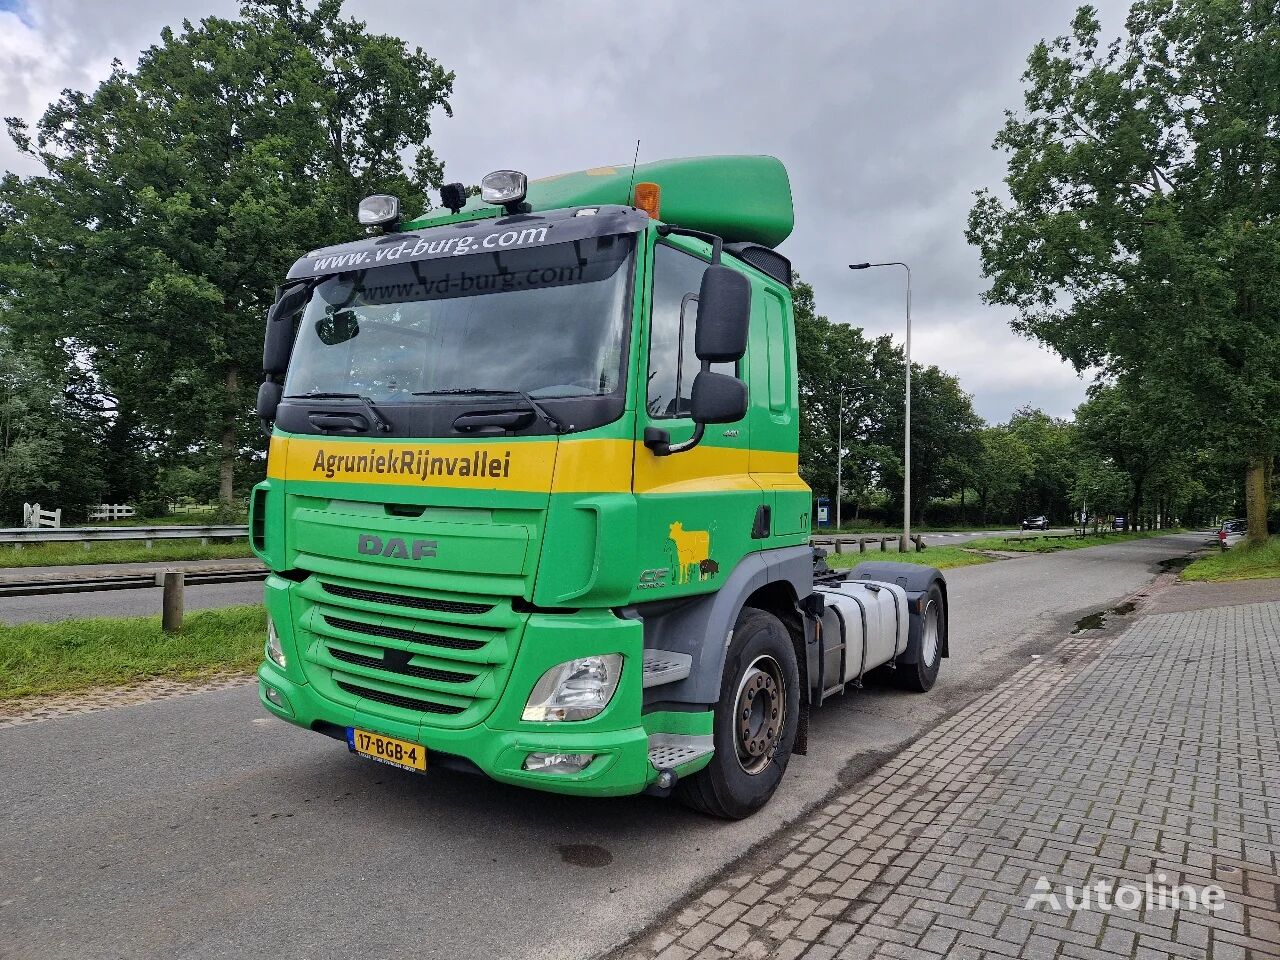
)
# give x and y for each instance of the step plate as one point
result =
(665, 666)
(667, 750)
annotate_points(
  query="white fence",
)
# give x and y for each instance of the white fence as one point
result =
(111, 511)
(34, 517)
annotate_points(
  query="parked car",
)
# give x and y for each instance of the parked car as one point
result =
(1232, 532)
(1035, 523)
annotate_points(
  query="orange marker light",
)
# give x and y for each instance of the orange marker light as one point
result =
(649, 198)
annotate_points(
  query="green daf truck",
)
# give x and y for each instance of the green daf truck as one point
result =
(532, 506)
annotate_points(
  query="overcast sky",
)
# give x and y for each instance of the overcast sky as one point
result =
(884, 114)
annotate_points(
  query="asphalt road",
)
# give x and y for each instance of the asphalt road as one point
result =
(198, 827)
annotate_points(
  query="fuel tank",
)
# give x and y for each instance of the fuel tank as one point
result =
(864, 625)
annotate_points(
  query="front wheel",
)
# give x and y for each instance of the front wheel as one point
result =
(755, 721)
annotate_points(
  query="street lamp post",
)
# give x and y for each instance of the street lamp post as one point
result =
(906, 443)
(839, 458)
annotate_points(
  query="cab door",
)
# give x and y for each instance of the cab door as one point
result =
(695, 509)
(775, 413)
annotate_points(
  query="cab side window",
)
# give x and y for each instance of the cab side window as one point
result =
(677, 277)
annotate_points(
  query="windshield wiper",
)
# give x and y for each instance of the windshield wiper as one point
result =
(533, 404)
(379, 421)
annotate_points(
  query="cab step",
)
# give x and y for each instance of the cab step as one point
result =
(665, 666)
(667, 750)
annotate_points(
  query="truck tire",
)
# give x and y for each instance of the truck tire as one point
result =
(931, 627)
(755, 721)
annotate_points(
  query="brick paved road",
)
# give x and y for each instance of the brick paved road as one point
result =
(1154, 752)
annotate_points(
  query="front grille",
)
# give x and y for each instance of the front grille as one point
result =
(445, 660)
(397, 633)
(406, 669)
(400, 600)
(396, 700)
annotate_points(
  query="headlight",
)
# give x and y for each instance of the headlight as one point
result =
(575, 690)
(275, 652)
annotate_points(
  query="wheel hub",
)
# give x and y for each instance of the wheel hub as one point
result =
(760, 714)
(930, 638)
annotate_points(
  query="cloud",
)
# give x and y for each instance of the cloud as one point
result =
(883, 113)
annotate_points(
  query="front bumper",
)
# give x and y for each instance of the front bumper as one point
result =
(494, 738)
(621, 765)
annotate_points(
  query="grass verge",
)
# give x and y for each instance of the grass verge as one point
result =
(876, 529)
(41, 658)
(941, 557)
(116, 551)
(1241, 562)
(1033, 543)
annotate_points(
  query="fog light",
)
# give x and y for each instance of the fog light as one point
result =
(558, 762)
(575, 690)
(275, 652)
(275, 699)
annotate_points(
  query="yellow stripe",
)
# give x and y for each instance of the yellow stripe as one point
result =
(583, 466)
(488, 465)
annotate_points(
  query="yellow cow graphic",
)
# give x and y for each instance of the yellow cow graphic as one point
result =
(693, 549)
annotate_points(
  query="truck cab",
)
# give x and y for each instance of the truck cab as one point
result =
(532, 504)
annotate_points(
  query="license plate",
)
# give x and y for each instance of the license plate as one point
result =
(389, 750)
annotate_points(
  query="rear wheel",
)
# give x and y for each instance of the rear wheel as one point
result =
(932, 624)
(755, 721)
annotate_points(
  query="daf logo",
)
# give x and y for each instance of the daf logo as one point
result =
(396, 547)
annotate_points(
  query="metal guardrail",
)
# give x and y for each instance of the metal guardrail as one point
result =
(839, 542)
(132, 581)
(24, 535)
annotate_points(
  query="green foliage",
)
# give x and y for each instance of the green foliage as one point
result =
(175, 196)
(1244, 561)
(1002, 471)
(858, 384)
(46, 453)
(43, 658)
(1140, 234)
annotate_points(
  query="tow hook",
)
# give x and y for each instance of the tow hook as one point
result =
(663, 786)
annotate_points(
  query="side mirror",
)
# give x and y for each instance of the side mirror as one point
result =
(717, 398)
(279, 340)
(269, 395)
(724, 312)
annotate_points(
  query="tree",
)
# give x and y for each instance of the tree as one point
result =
(1049, 444)
(944, 428)
(175, 196)
(834, 363)
(1001, 471)
(46, 449)
(1141, 234)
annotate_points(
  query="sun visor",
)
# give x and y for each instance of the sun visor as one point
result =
(519, 232)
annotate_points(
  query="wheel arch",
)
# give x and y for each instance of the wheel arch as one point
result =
(771, 580)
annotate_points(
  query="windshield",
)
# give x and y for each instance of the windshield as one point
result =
(549, 322)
